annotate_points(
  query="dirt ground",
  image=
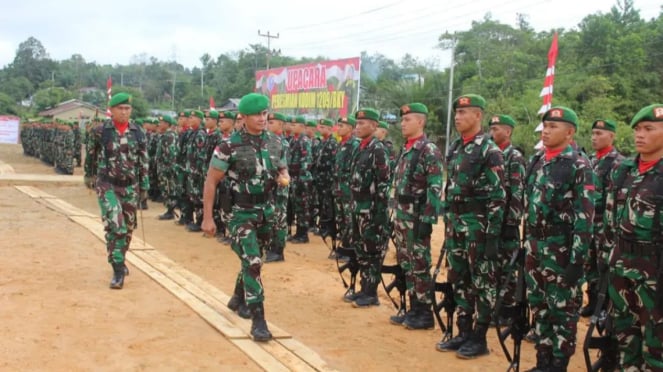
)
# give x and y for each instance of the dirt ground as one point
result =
(58, 312)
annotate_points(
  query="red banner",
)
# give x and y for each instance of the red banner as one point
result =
(322, 89)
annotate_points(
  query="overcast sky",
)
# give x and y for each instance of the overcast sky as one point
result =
(112, 32)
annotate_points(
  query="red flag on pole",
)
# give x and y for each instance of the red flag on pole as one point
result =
(109, 86)
(212, 106)
(547, 91)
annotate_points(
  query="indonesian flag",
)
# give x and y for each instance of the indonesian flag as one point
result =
(212, 106)
(547, 91)
(109, 86)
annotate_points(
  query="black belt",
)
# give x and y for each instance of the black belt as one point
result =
(548, 231)
(406, 199)
(638, 248)
(474, 206)
(117, 181)
(249, 200)
(361, 197)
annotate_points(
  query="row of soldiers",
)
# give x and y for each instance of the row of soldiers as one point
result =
(57, 143)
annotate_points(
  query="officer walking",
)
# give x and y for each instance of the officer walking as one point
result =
(255, 160)
(116, 166)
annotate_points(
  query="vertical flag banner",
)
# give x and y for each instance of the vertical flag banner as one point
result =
(327, 89)
(547, 91)
(109, 87)
(212, 105)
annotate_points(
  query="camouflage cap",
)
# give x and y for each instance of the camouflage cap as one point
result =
(650, 113)
(605, 124)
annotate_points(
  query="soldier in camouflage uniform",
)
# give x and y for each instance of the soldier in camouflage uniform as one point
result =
(116, 165)
(501, 129)
(77, 143)
(634, 236)
(152, 145)
(474, 207)
(280, 224)
(299, 168)
(255, 160)
(559, 211)
(314, 201)
(167, 151)
(324, 177)
(381, 134)
(369, 184)
(196, 155)
(342, 173)
(603, 162)
(226, 122)
(416, 204)
(186, 209)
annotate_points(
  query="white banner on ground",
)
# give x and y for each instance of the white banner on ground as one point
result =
(9, 129)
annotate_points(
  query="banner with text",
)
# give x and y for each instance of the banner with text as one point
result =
(9, 129)
(327, 89)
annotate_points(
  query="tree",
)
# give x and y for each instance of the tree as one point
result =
(50, 97)
(32, 61)
(7, 105)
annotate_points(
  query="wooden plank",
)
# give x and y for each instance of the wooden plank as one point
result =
(92, 225)
(67, 209)
(6, 168)
(212, 295)
(309, 356)
(215, 319)
(285, 356)
(259, 355)
(26, 178)
(34, 192)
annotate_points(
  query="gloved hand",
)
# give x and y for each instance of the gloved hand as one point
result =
(491, 250)
(425, 230)
(89, 181)
(143, 195)
(572, 274)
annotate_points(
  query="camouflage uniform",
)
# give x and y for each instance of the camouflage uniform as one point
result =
(299, 167)
(280, 224)
(166, 155)
(196, 156)
(77, 144)
(152, 146)
(559, 211)
(369, 183)
(252, 164)
(324, 182)
(342, 192)
(416, 201)
(182, 178)
(120, 165)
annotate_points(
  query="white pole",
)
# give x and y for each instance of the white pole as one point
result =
(450, 102)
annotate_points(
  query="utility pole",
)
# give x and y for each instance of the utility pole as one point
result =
(269, 44)
(450, 102)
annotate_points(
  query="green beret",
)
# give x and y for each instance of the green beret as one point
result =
(650, 113)
(155, 121)
(470, 100)
(288, 119)
(368, 113)
(605, 124)
(414, 108)
(119, 99)
(198, 113)
(212, 114)
(168, 119)
(383, 125)
(561, 113)
(299, 119)
(326, 122)
(277, 116)
(311, 123)
(138, 121)
(502, 119)
(227, 115)
(253, 103)
(347, 120)
(185, 113)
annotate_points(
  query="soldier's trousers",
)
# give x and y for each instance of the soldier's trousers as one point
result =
(413, 255)
(250, 232)
(343, 216)
(507, 289)
(280, 224)
(118, 213)
(168, 187)
(637, 321)
(301, 203)
(368, 242)
(473, 276)
(553, 302)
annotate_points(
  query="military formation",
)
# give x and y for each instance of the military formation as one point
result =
(55, 142)
(246, 178)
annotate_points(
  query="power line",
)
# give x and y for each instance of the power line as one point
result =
(337, 20)
(269, 43)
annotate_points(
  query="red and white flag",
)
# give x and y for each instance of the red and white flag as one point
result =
(547, 91)
(212, 106)
(109, 86)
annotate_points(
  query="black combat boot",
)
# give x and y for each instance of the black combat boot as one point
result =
(464, 324)
(352, 294)
(420, 316)
(368, 296)
(476, 346)
(399, 318)
(237, 302)
(592, 293)
(259, 330)
(559, 364)
(275, 253)
(142, 204)
(302, 235)
(194, 226)
(119, 271)
(186, 215)
(168, 215)
(543, 361)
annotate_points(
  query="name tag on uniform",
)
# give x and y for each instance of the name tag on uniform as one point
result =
(123, 140)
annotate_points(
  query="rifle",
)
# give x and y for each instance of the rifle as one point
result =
(519, 314)
(351, 265)
(447, 303)
(605, 342)
(397, 282)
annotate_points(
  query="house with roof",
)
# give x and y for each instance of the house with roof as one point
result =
(74, 110)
